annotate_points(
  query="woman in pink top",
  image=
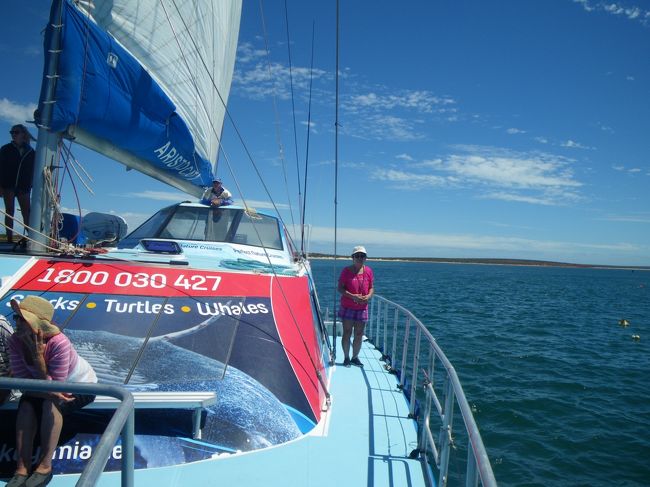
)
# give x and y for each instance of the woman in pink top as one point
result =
(356, 288)
(38, 350)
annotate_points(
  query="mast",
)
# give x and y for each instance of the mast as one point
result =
(336, 181)
(47, 142)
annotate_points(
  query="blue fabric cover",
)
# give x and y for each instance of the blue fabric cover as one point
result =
(104, 90)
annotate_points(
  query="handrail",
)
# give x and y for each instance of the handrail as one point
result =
(413, 335)
(121, 422)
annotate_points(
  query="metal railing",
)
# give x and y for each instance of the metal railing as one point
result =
(411, 352)
(122, 422)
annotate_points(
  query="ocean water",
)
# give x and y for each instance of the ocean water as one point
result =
(561, 391)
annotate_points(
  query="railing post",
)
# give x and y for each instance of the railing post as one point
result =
(385, 346)
(446, 432)
(414, 374)
(394, 347)
(128, 450)
(405, 348)
(471, 478)
(378, 321)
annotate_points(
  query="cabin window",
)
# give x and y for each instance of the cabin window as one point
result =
(187, 224)
(147, 230)
(231, 225)
(266, 227)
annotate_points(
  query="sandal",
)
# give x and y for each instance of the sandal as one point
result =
(17, 480)
(39, 479)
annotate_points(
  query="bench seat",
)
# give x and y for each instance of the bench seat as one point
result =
(196, 401)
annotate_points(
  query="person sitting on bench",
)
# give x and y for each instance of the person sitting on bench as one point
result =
(38, 350)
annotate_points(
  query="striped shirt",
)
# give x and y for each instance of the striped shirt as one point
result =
(60, 359)
(5, 332)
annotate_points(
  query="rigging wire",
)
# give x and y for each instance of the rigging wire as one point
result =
(226, 111)
(304, 200)
(230, 168)
(277, 116)
(336, 183)
(293, 109)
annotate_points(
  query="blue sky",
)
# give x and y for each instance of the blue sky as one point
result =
(467, 129)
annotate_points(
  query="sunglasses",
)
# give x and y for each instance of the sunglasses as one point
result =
(359, 256)
(15, 132)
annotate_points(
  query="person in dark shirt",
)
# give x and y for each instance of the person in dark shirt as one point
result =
(16, 172)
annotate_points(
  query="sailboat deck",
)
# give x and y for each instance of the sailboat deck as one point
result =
(365, 439)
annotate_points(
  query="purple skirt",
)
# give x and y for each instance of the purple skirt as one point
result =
(353, 314)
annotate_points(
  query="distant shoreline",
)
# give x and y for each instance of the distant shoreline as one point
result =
(511, 262)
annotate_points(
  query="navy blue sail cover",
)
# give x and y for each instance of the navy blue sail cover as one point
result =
(105, 91)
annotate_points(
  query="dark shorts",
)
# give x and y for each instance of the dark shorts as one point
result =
(15, 190)
(79, 401)
(353, 314)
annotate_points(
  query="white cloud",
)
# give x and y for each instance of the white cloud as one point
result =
(513, 131)
(246, 53)
(263, 80)
(403, 243)
(418, 100)
(526, 177)
(511, 169)
(13, 112)
(541, 140)
(605, 128)
(629, 12)
(171, 196)
(500, 195)
(377, 126)
(404, 157)
(408, 180)
(572, 144)
(631, 170)
(638, 218)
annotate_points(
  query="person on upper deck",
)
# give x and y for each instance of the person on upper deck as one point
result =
(356, 286)
(38, 350)
(16, 172)
(217, 195)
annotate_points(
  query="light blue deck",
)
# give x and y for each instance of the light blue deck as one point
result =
(366, 441)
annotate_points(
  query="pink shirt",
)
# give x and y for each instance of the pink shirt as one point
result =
(356, 284)
(60, 359)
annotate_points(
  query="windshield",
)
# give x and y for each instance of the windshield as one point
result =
(209, 225)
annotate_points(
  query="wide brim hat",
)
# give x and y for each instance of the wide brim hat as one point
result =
(359, 249)
(38, 312)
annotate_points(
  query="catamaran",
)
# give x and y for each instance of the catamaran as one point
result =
(216, 364)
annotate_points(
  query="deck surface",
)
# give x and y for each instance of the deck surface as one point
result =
(365, 441)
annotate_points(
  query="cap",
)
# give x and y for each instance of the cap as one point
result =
(359, 248)
(216, 180)
(38, 312)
